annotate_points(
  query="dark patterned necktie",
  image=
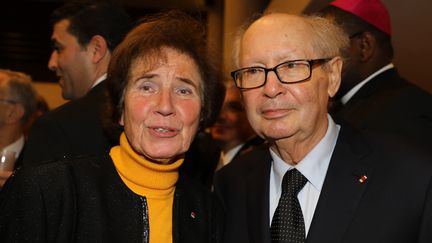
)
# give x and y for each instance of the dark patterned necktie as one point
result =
(288, 223)
(146, 231)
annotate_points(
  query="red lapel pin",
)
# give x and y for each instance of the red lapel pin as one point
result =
(363, 179)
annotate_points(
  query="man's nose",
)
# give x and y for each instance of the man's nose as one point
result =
(52, 62)
(273, 86)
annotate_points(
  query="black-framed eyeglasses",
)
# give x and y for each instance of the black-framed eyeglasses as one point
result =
(8, 101)
(287, 72)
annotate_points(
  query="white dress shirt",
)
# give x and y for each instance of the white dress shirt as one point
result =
(229, 155)
(16, 146)
(356, 88)
(100, 79)
(313, 166)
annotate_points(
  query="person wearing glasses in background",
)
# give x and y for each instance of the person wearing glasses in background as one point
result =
(317, 181)
(373, 95)
(17, 105)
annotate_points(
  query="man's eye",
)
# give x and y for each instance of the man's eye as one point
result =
(235, 106)
(290, 65)
(56, 48)
(252, 71)
(293, 65)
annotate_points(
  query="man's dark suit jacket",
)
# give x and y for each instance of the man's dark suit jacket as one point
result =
(73, 129)
(203, 156)
(391, 104)
(394, 203)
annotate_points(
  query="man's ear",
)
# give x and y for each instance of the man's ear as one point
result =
(14, 113)
(97, 48)
(335, 70)
(367, 45)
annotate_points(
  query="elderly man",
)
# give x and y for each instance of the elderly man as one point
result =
(318, 181)
(17, 105)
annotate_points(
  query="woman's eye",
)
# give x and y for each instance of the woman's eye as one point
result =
(147, 87)
(184, 91)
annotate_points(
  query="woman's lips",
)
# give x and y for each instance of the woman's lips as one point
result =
(164, 132)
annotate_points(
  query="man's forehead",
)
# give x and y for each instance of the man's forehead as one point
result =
(279, 20)
(278, 25)
(60, 29)
(286, 37)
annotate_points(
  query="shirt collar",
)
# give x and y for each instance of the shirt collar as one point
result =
(315, 164)
(228, 156)
(100, 79)
(356, 88)
(16, 146)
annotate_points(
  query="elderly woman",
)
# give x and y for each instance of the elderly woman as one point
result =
(162, 90)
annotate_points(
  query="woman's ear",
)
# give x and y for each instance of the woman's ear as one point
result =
(335, 70)
(121, 122)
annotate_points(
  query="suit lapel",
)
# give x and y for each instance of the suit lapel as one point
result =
(258, 199)
(343, 189)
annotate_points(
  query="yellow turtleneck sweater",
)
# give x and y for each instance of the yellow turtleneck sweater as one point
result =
(154, 181)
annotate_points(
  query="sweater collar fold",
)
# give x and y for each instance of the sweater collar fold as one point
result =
(142, 176)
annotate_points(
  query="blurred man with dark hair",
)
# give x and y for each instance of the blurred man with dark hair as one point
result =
(84, 36)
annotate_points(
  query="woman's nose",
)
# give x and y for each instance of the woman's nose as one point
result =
(165, 104)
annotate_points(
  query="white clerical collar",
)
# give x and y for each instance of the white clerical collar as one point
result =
(314, 165)
(100, 79)
(356, 88)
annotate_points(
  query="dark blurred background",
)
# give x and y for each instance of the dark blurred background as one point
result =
(25, 32)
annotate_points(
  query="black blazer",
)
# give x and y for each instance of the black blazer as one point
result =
(391, 104)
(85, 200)
(74, 128)
(393, 205)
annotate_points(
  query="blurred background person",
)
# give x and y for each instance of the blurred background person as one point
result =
(162, 90)
(232, 130)
(372, 95)
(17, 105)
(84, 36)
(41, 108)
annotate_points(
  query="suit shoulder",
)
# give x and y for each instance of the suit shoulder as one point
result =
(243, 164)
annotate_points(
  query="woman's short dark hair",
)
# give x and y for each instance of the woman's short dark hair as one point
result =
(176, 30)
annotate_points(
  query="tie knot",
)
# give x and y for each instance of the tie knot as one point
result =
(293, 181)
